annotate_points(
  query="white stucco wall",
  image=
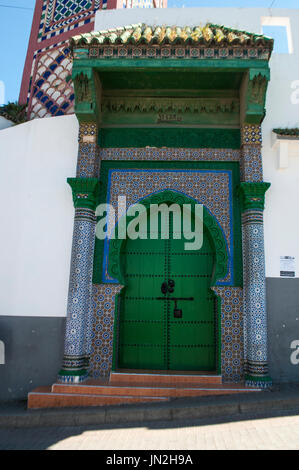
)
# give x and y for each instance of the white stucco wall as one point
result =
(37, 215)
(281, 214)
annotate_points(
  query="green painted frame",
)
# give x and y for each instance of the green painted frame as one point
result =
(168, 196)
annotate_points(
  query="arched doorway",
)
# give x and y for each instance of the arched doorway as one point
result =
(139, 312)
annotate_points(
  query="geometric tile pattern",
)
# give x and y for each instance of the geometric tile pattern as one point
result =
(255, 311)
(78, 333)
(212, 188)
(251, 148)
(88, 161)
(60, 16)
(251, 163)
(251, 135)
(88, 153)
(65, 8)
(102, 331)
(52, 89)
(170, 154)
(232, 329)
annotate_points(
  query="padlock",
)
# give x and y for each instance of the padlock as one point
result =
(178, 313)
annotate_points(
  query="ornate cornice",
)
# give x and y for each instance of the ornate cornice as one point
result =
(142, 34)
(166, 105)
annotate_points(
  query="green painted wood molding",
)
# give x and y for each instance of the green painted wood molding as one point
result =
(88, 91)
(85, 192)
(253, 195)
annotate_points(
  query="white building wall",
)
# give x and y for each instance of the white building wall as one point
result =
(37, 216)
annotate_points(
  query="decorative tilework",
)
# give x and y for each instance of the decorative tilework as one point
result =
(88, 161)
(170, 154)
(251, 153)
(251, 163)
(88, 133)
(255, 331)
(78, 331)
(102, 330)
(60, 16)
(52, 89)
(167, 52)
(251, 134)
(88, 153)
(212, 188)
(232, 338)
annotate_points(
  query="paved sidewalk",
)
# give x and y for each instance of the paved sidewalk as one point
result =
(266, 420)
(252, 433)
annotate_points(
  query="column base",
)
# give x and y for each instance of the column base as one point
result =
(73, 377)
(258, 382)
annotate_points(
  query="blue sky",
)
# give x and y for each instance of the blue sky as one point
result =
(15, 23)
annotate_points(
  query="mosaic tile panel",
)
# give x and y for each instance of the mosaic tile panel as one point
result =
(88, 161)
(255, 298)
(60, 16)
(251, 163)
(211, 188)
(88, 152)
(80, 285)
(170, 154)
(232, 329)
(251, 134)
(52, 89)
(102, 330)
(79, 288)
(177, 52)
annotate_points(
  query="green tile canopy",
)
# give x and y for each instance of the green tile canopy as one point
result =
(208, 35)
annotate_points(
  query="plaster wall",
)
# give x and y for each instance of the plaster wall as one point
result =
(37, 216)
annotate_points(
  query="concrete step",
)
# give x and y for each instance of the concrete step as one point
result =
(165, 379)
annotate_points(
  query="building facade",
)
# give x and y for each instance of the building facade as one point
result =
(171, 115)
(47, 85)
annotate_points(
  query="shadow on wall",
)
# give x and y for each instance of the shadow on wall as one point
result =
(33, 349)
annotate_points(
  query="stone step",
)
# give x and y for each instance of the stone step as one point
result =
(148, 390)
(161, 378)
(38, 399)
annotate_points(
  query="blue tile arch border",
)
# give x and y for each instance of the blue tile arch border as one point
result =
(229, 239)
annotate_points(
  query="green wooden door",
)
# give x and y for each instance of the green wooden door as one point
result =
(149, 335)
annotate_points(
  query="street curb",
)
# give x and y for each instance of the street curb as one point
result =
(175, 410)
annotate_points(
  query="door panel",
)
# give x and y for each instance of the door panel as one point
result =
(150, 337)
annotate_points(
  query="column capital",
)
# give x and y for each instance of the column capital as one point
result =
(253, 195)
(84, 192)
